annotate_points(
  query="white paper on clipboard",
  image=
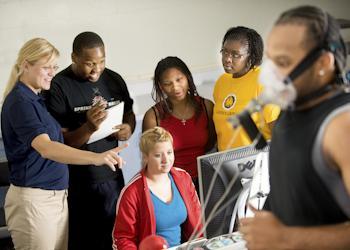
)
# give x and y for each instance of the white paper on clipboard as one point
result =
(114, 117)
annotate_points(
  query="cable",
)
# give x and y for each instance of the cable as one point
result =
(210, 189)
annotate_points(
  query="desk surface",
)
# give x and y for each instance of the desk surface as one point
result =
(233, 241)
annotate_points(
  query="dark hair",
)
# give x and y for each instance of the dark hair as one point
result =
(322, 31)
(87, 40)
(157, 94)
(253, 40)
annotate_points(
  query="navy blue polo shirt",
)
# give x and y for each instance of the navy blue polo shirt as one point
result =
(24, 117)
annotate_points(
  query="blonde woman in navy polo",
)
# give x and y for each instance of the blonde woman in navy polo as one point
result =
(36, 203)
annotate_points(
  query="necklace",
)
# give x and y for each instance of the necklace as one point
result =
(181, 117)
(183, 121)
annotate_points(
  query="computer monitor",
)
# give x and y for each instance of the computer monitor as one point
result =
(234, 163)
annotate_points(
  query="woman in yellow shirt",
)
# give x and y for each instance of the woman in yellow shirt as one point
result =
(242, 51)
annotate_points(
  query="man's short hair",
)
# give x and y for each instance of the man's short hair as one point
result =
(87, 40)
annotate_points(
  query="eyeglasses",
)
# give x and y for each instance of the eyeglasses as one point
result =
(50, 68)
(45, 66)
(233, 55)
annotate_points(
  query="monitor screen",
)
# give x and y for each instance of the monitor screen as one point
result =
(224, 171)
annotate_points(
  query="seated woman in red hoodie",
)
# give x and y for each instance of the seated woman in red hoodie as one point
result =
(161, 199)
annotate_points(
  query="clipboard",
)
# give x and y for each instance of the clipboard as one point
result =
(114, 117)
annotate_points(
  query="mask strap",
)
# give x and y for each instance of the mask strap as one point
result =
(251, 129)
(304, 64)
(300, 68)
(321, 91)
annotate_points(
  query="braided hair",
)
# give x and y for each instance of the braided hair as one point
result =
(252, 39)
(322, 31)
(157, 94)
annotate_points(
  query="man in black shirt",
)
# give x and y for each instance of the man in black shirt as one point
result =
(78, 99)
(309, 199)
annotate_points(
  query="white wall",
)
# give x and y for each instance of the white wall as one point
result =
(138, 33)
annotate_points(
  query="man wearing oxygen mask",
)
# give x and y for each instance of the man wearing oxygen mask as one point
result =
(309, 201)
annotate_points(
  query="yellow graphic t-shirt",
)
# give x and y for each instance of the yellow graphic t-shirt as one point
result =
(231, 96)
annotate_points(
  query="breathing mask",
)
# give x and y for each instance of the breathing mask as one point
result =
(279, 89)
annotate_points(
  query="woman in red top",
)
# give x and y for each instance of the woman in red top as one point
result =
(180, 110)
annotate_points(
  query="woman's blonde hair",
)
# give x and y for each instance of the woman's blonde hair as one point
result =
(32, 51)
(152, 136)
